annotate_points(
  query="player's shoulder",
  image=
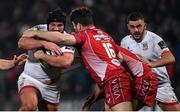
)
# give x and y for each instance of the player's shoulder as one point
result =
(42, 27)
(153, 35)
(126, 39)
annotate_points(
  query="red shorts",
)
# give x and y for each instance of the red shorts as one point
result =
(146, 88)
(118, 89)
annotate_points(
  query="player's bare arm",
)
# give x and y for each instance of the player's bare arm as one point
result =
(60, 61)
(31, 43)
(166, 58)
(144, 60)
(8, 64)
(52, 36)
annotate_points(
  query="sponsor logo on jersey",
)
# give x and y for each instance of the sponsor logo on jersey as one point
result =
(101, 37)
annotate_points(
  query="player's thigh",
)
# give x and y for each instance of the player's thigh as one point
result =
(29, 96)
(170, 107)
(47, 106)
(51, 94)
(117, 91)
(52, 106)
(166, 97)
(165, 94)
(123, 106)
(106, 107)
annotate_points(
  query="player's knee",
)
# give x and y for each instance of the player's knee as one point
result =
(53, 107)
(29, 107)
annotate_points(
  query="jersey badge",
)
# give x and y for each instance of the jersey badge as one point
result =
(145, 46)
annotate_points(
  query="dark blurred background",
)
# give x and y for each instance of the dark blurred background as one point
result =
(16, 15)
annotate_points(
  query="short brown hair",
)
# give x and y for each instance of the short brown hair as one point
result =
(82, 15)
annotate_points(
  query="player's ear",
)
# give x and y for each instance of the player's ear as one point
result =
(145, 25)
(79, 26)
(128, 26)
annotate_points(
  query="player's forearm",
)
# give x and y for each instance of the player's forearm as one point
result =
(6, 64)
(57, 37)
(57, 61)
(50, 36)
(163, 61)
(30, 43)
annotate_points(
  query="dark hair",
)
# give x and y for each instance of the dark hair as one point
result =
(135, 16)
(82, 15)
(56, 15)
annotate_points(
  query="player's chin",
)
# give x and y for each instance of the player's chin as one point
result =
(137, 37)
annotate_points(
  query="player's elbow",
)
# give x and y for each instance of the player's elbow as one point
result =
(66, 63)
(69, 62)
(21, 43)
(173, 60)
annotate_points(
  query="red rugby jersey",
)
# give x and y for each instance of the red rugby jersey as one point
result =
(98, 52)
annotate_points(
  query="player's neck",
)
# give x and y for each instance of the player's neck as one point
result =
(88, 27)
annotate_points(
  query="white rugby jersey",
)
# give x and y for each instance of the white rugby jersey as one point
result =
(151, 47)
(32, 66)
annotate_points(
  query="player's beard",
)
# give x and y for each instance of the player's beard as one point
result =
(138, 36)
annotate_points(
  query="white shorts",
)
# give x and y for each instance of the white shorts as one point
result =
(50, 93)
(165, 93)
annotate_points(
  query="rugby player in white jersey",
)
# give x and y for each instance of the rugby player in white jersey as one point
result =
(8, 64)
(38, 87)
(152, 49)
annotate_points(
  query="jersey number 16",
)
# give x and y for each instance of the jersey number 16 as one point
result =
(109, 50)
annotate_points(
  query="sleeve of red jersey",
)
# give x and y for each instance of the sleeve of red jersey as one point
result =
(80, 38)
(127, 52)
(135, 65)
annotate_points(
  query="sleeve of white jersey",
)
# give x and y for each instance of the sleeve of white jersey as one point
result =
(68, 49)
(160, 45)
(41, 27)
